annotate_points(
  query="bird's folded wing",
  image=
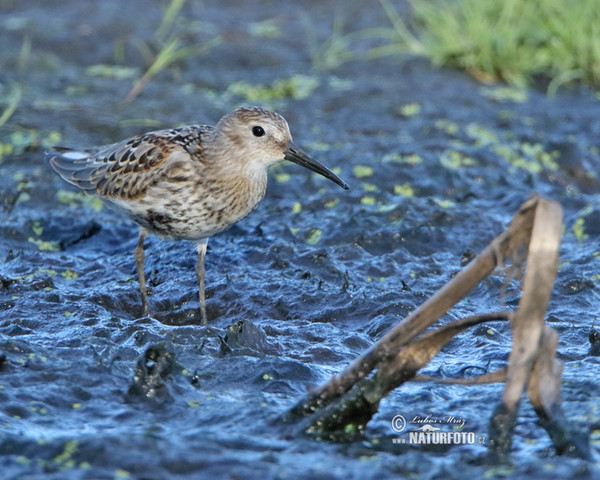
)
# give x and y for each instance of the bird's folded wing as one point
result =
(126, 169)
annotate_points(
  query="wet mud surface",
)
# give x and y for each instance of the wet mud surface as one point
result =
(437, 165)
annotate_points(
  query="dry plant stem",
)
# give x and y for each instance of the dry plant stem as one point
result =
(544, 386)
(392, 373)
(544, 395)
(388, 347)
(358, 405)
(528, 320)
(499, 376)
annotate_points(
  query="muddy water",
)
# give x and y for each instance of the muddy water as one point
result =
(437, 164)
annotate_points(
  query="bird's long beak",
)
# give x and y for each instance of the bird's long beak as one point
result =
(296, 155)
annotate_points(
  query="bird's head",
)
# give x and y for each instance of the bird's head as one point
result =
(261, 138)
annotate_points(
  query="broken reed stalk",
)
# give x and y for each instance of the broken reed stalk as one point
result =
(424, 316)
(357, 406)
(351, 399)
(532, 363)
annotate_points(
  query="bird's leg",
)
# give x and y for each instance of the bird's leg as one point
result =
(139, 263)
(200, 277)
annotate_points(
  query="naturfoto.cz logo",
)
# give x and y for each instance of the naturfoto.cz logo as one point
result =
(428, 431)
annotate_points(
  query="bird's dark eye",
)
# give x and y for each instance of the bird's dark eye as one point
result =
(258, 131)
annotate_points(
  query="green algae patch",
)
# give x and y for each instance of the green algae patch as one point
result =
(116, 72)
(296, 87)
(69, 275)
(76, 199)
(579, 230)
(314, 236)
(404, 190)
(43, 245)
(362, 171)
(410, 109)
(368, 201)
(454, 160)
(505, 94)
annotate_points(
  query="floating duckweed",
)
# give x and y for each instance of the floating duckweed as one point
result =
(502, 94)
(23, 197)
(456, 160)
(50, 272)
(121, 474)
(482, 135)
(404, 190)
(95, 203)
(268, 28)
(368, 200)
(447, 126)
(68, 451)
(297, 207)
(266, 377)
(314, 236)
(282, 177)
(69, 275)
(37, 228)
(516, 156)
(444, 203)
(350, 428)
(43, 245)
(536, 151)
(332, 203)
(410, 109)
(362, 171)
(52, 139)
(412, 159)
(500, 471)
(369, 187)
(527, 165)
(69, 314)
(116, 72)
(578, 230)
(75, 199)
(77, 406)
(340, 83)
(193, 404)
(296, 87)
(318, 147)
(77, 90)
(5, 149)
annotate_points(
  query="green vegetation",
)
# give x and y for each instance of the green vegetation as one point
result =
(328, 54)
(171, 48)
(10, 101)
(362, 171)
(76, 199)
(15, 140)
(268, 28)
(314, 236)
(296, 87)
(511, 41)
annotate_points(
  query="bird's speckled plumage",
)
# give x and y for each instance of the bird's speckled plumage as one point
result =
(190, 182)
